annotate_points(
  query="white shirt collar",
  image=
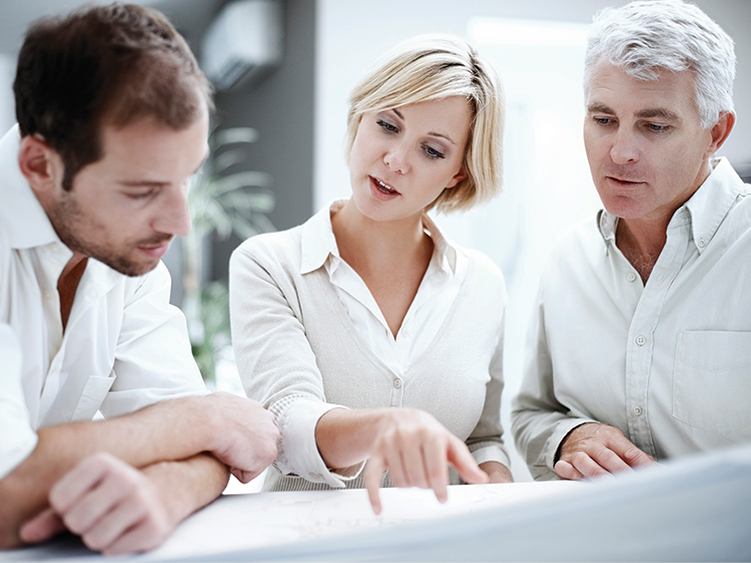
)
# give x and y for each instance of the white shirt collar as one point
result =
(28, 224)
(705, 209)
(319, 243)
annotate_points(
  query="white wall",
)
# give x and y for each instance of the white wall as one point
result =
(7, 105)
(351, 36)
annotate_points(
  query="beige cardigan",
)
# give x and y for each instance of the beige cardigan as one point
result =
(294, 341)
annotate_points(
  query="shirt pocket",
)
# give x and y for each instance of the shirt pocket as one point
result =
(712, 382)
(92, 397)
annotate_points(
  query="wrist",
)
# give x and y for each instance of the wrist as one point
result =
(186, 486)
(207, 412)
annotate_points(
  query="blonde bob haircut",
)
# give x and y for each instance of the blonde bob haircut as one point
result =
(433, 67)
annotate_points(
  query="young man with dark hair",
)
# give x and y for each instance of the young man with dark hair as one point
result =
(113, 121)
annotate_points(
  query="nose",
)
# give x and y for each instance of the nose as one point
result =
(396, 158)
(174, 218)
(624, 149)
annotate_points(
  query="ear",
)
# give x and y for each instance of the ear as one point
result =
(720, 132)
(39, 163)
(458, 177)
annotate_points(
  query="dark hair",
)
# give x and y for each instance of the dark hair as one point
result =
(115, 64)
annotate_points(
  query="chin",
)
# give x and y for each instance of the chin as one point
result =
(128, 267)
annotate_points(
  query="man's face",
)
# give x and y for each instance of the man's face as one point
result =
(125, 208)
(646, 148)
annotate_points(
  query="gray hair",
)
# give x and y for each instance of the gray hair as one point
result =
(646, 36)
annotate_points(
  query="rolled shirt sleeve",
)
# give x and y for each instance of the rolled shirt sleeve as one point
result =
(153, 359)
(539, 421)
(17, 437)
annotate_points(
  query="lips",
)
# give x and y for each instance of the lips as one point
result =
(383, 187)
(623, 182)
(381, 191)
(156, 250)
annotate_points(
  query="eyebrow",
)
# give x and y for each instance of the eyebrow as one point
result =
(658, 112)
(156, 183)
(430, 133)
(643, 114)
(142, 184)
(599, 108)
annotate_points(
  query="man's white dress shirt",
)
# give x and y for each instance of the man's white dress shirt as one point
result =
(124, 347)
(667, 362)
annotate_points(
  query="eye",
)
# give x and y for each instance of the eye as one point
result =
(603, 120)
(433, 153)
(386, 126)
(657, 128)
(138, 196)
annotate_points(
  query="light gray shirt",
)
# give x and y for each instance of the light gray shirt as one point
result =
(667, 362)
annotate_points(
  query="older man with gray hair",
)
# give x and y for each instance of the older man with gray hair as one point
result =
(640, 344)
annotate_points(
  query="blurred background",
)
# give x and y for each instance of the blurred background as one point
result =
(283, 71)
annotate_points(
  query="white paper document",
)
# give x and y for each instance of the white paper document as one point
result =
(694, 509)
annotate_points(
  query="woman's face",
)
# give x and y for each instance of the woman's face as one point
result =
(403, 158)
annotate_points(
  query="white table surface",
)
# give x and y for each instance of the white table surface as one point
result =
(698, 508)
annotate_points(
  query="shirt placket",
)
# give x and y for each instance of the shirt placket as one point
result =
(52, 261)
(640, 345)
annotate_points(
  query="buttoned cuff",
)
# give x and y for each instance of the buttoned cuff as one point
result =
(562, 429)
(298, 452)
(491, 452)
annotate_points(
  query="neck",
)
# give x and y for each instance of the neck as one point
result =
(67, 284)
(642, 239)
(364, 241)
(641, 243)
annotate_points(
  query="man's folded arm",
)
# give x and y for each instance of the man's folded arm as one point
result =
(237, 431)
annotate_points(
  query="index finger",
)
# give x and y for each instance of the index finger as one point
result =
(76, 482)
(372, 480)
(636, 458)
(459, 456)
(628, 453)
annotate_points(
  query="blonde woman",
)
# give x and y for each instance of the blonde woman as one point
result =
(367, 334)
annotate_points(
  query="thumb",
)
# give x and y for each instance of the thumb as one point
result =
(458, 455)
(42, 527)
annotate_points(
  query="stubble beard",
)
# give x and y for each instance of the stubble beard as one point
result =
(69, 221)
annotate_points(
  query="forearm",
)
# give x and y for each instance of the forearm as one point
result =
(345, 437)
(188, 485)
(539, 432)
(154, 434)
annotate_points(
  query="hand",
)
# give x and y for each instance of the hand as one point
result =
(114, 507)
(416, 449)
(594, 450)
(497, 472)
(245, 436)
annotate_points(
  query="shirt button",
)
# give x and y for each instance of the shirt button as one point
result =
(398, 383)
(637, 411)
(640, 340)
(631, 277)
(702, 243)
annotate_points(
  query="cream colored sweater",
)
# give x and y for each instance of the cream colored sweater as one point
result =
(298, 352)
